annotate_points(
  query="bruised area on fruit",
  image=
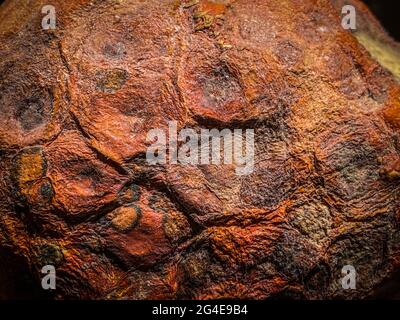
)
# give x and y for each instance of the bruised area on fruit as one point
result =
(77, 103)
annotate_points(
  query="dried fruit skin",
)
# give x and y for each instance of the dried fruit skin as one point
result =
(77, 102)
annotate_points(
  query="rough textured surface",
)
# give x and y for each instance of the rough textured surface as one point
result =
(77, 102)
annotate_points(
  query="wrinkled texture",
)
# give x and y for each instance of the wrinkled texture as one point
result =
(76, 104)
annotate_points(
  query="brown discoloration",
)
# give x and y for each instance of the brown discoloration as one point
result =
(207, 14)
(76, 188)
(110, 81)
(29, 167)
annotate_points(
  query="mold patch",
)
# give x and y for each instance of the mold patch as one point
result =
(30, 113)
(33, 111)
(130, 193)
(46, 190)
(220, 87)
(48, 254)
(125, 218)
(114, 50)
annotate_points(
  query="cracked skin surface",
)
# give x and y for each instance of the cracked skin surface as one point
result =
(77, 102)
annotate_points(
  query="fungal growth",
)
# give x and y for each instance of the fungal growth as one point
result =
(77, 192)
